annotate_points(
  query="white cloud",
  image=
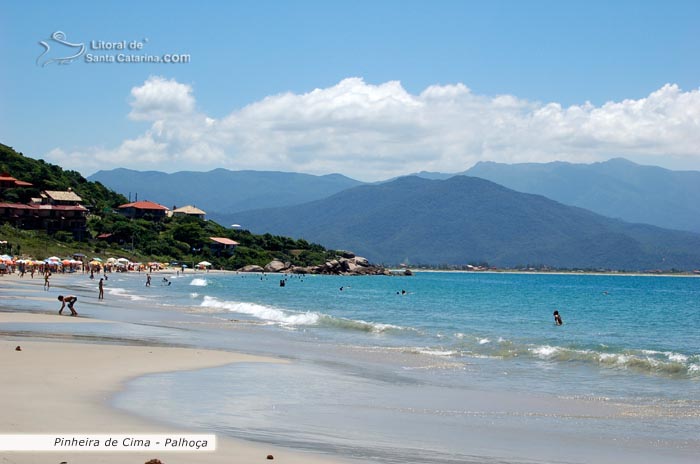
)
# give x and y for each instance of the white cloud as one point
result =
(159, 98)
(373, 132)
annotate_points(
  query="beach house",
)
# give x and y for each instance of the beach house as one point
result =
(222, 246)
(53, 211)
(144, 210)
(188, 210)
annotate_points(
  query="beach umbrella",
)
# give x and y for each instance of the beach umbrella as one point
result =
(65, 262)
(53, 260)
(95, 263)
(5, 258)
(123, 260)
(203, 263)
(112, 260)
(98, 259)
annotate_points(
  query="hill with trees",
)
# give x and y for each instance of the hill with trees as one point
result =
(46, 176)
(183, 238)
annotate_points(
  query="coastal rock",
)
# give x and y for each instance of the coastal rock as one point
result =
(408, 272)
(251, 268)
(360, 261)
(345, 264)
(350, 267)
(276, 266)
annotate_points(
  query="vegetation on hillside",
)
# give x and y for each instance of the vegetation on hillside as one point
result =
(184, 239)
(46, 176)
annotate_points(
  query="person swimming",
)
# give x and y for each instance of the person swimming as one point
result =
(557, 318)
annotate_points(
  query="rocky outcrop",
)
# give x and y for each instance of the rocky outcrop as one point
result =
(354, 265)
(277, 266)
(345, 264)
(251, 268)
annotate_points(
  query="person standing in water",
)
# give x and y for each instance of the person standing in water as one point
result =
(557, 318)
(101, 286)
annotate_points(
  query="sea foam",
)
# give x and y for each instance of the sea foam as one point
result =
(265, 313)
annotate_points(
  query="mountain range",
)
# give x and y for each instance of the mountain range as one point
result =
(222, 191)
(467, 219)
(616, 188)
(552, 213)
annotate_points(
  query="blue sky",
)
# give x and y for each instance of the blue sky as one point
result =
(511, 81)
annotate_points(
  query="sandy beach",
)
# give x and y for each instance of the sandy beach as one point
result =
(63, 387)
(202, 356)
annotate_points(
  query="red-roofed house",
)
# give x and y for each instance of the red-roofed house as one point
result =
(52, 218)
(143, 209)
(222, 245)
(8, 182)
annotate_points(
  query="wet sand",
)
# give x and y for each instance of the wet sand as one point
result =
(57, 387)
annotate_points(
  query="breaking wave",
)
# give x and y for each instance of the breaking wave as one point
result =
(665, 363)
(123, 293)
(296, 318)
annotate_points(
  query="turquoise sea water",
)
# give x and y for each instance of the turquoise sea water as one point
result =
(462, 367)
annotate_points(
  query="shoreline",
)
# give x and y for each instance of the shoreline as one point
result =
(66, 387)
(101, 373)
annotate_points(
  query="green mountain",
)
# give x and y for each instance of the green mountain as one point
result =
(222, 191)
(615, 188)
(465, 219)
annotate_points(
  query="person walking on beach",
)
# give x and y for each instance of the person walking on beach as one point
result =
(47, 283)
(557, 318)
(101, 286)
(148, 280)
(70, 300)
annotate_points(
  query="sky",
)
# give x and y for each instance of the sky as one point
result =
(369, 89)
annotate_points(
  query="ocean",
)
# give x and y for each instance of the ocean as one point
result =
(436, 367)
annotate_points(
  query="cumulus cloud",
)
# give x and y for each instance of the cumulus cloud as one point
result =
(159, 98)
(374, 132)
